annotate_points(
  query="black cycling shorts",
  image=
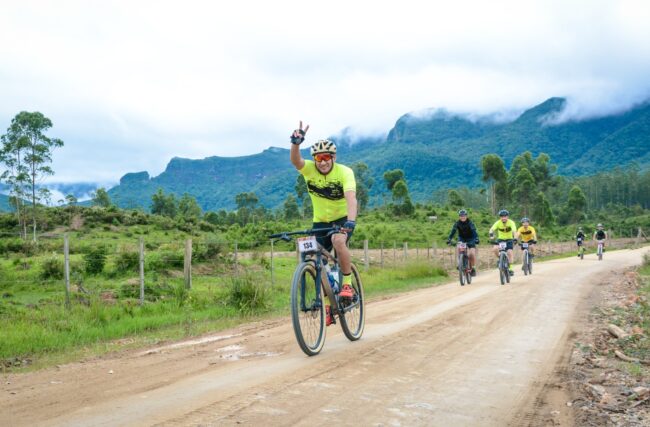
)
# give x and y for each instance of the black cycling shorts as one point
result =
(508, 243)
(326, 240)
(470, 243)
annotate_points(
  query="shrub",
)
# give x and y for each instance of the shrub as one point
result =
(127, 261)
(95, 259)
(248, 294)
(52, 268)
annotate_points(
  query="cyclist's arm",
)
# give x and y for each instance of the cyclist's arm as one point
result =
(516, 234)
(474, 232)
(296, 157)
(351, 200)
(452, 233)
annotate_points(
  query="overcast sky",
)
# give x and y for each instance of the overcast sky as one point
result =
(131, 84)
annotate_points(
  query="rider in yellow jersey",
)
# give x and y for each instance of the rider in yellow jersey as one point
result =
(505, 228)
(332, 189)
(527, 234)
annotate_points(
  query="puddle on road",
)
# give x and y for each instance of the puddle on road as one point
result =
(199, 341)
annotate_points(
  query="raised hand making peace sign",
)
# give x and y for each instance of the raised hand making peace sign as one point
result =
(298, 135)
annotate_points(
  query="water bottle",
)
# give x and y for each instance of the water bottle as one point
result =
(332, 276)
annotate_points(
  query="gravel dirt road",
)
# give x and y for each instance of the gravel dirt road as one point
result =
(444, 356)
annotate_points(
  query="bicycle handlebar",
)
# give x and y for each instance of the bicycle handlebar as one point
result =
(285, 235)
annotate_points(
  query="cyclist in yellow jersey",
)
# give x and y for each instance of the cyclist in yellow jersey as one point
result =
(332, 189)
(527, 234)
(505, 228)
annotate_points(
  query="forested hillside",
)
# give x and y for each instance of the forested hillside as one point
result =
(436, 151)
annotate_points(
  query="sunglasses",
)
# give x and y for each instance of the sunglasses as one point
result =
(324, 157)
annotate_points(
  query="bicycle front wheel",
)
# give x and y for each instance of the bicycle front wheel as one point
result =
(307, 309)
(461, 269)
(525, 263)
(352, 314)
(468, 270)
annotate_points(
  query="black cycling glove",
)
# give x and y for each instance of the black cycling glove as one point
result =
(297, 140)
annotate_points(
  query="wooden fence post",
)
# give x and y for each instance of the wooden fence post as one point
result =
(406, 248)
(272, 278)
(394, 252)
(188, 264)
(381, 255)
(141, 271)
(235, 256)
(66, 264)
(366, 260)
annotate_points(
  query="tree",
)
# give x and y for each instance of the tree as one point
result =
(364, 184)
(392, 177)
(303, 196)
(401, 196)
(71, 200)
(16, 175)
(291, 210)
(576, 205)
(188, 208)
(162, 204)
(27, 130)
(524, 192)
(454, 199)
(543, 213)
(246, 203)
(101, 198)
(494, 174)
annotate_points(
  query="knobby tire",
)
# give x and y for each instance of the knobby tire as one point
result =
(353, 320)
(307, 309)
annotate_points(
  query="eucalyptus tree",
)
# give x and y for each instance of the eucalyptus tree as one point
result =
(31, 152)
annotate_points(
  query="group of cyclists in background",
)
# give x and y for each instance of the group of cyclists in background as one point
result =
(506, 231)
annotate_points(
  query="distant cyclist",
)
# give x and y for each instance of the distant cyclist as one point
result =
(332, 189)
(527, 234)
(466, 233)
(580, 239)
(600, 234)
(505, 228)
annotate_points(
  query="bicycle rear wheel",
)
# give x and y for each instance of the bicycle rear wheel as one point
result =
(600, 253)
(307, 309)
(461, 269)
(582, 253)
(506, 270)
(352, 314)
(530, 265)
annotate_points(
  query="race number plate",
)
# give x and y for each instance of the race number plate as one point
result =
(524, 245)
(462, 246)
(503, 245)
(307, 244)
(579, 239)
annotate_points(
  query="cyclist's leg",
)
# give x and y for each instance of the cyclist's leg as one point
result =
(323, 238)
(531, 249)
(339, 241)
(471, 254)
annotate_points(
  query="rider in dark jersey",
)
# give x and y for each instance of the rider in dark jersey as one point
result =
(466, 233)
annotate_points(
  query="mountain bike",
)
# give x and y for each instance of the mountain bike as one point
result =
(315, 301)
(599, 251)
(526, 260)
(504, 264)
(464, 269)
(581, 248)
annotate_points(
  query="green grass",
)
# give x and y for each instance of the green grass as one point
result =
(37, 327)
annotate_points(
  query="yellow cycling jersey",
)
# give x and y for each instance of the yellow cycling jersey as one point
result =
(327, 192)
(504, 231)
(526, 235)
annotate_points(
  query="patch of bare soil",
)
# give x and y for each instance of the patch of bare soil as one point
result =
(596, 383)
